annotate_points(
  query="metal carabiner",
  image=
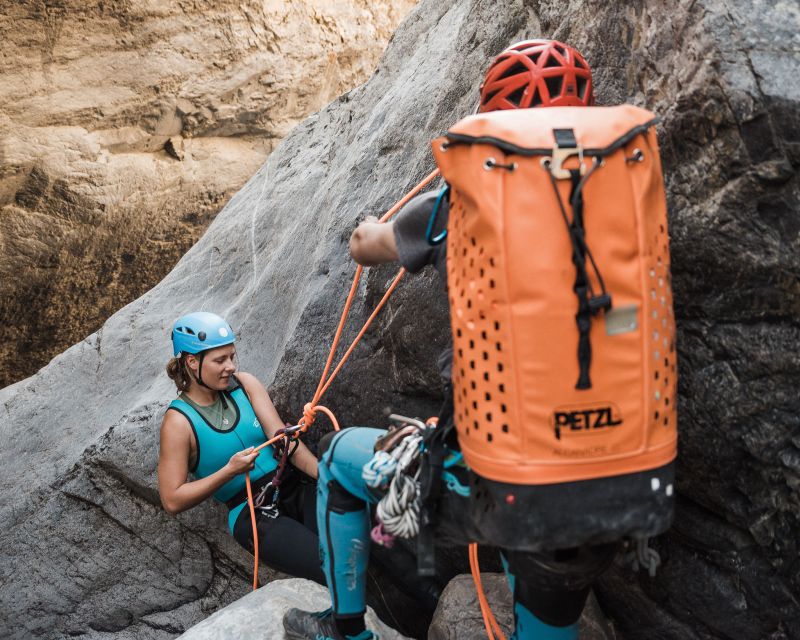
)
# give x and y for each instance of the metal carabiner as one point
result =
(402, 420)
(262, 496)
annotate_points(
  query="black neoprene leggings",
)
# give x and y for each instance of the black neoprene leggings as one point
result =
(289, 541)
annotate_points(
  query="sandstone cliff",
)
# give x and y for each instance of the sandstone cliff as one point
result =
(86, 549)
(125, 126)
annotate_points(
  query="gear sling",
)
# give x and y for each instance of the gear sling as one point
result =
(564, 367)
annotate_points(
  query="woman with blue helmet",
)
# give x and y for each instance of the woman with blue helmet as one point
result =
(210, 432)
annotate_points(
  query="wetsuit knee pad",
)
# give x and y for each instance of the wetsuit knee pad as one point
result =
(556, 607)
(341, 501)
(554, 586)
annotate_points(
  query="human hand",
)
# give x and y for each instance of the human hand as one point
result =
(243, 461)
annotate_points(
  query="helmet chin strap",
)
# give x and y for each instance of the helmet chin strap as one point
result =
(200, 357)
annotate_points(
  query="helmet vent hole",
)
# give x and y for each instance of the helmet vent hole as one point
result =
(579, 63)
(582, 86)
(201, 336)
(515, 97)
(554, 86)
(515, 69)
(490, 95)
(552, 61)
(188, 330)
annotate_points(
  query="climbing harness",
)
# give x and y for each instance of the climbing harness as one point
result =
(310, 410)
(267, 499)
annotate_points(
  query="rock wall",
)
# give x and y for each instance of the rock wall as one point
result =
(125, 126)
(85, 548)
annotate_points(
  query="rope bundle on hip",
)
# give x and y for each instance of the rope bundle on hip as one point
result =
(398, 510)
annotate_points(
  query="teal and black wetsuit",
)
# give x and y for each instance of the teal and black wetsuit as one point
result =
(296, 517)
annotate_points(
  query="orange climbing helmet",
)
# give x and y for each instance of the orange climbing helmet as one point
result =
(537, 73)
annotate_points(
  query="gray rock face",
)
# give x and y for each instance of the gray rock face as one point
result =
(259, 614)
(86, 550)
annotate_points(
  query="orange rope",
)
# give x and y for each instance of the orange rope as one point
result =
(489, 621)
(311, 408)
(255, 531)
(361, 333)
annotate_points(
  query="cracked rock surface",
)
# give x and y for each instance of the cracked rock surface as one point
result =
(86, 550)
(125, 126)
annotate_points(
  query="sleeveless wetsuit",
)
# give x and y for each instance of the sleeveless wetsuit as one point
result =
(296, 517)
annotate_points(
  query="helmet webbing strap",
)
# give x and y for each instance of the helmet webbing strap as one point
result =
(200, 357)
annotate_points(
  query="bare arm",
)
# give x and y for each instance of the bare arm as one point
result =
(270, 421)
(373, 243)
(176, 491)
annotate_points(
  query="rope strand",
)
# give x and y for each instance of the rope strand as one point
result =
(310, 409)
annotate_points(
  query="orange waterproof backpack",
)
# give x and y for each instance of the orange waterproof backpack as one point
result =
(564, 364)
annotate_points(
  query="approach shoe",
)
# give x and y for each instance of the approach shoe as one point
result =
(306, 625)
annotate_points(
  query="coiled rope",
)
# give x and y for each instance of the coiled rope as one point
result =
(398, 510)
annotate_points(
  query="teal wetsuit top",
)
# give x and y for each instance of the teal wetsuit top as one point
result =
(216, 446)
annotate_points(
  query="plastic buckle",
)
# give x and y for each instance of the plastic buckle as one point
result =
(560, 155)
(599, 303)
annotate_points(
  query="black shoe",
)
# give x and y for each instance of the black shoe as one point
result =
(305, 625)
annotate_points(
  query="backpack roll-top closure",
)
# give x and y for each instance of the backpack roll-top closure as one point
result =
(599, 130)
(561, 306)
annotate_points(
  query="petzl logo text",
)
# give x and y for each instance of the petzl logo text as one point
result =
(585, 420)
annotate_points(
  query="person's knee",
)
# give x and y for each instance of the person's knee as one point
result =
(554, 586)
(555, 607)
(342, 501)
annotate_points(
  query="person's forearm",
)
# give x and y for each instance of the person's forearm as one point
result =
(190, 494)
(305, 461)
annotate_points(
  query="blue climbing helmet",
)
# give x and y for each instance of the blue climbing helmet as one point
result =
(200, 331)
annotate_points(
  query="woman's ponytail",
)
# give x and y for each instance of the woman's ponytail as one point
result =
(177, 371)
